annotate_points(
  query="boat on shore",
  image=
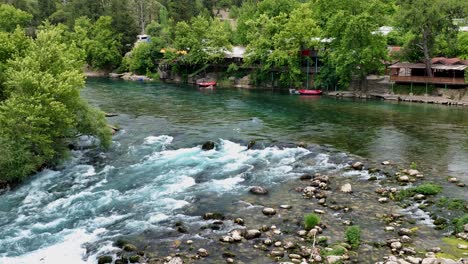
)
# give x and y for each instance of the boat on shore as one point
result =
(206, 84)
(309, 92)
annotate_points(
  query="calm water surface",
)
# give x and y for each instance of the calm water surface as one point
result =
(155, 169)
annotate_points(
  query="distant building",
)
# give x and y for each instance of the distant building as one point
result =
(445, 71)
(143, 38)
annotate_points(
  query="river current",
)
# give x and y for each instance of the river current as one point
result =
(155, 170)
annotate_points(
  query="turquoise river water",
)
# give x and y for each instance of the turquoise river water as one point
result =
(155, 168)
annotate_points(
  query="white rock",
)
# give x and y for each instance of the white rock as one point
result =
(453, 180)
(227, 239)
(230, 260)
(189, 242)
(203, 252)
(333, 259)
(383, 200)
(396, 245)
(285, 206)
(301, 233)
(389, 228)
(413, 172)
(386, 162)
(268, 211)
(346, 188)
(319, 211)
(358, 165)
(278, 244)
(236, 235)
(294, 256)
(403, 178)
(175, 260)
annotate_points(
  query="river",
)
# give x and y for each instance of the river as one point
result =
(155, 170)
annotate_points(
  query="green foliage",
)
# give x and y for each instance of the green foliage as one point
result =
(353, 236)
(426, 189)
(451, 204)
(337, 250)
(101, 43)
(10, 18)
(43, 108)
(311, 220)
(276, 41)
(140, 60)
(355, 50)
(413, 165)
(460, 222)
(462, 50)
(204, 39)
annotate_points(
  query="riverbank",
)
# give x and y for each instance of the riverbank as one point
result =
(401, 98)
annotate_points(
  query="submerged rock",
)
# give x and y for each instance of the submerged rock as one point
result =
(252, 233)
(258, 190)
(175, 260)
(209, 145)
(104, 259)
(269, 211)
(203, 252)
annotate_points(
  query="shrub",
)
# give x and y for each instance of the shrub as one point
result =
(426, 189)
(460, 222)
(353, 236)
(311, 220)
(413, 165)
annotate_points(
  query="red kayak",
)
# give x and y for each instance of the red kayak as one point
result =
(206, 84)
(310, 92)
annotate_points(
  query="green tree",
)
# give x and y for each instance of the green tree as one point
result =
(141, 59)
(101, 43)
(10, 18)
(276, 42)
(354, 48)
(426, 20)
(43, 108)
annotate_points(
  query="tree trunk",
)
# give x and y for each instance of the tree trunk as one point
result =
(427, 58)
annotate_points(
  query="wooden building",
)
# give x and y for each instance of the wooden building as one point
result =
(445, 71)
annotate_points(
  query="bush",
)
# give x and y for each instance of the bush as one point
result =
(426, 189)
(353, 236)
(311, 220)
(460, 222)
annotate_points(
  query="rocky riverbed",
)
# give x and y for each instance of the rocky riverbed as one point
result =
(264, 225)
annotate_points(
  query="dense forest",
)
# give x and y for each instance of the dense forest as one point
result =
(46, 43)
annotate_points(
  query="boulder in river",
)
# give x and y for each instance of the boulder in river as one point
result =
(213, 216)
(346, 188)
(209, 145)
(258, 190)
(269, 211)
(252, 233)
(104, 259)
(357, 165)
(251, 144)
(203, 252)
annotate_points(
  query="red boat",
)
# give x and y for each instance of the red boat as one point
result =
(310, 92)
(206, 84)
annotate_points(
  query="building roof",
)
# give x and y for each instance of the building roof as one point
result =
(236, 52)
(423, 66)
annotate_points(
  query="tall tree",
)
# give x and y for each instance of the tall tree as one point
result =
(43, 108)
(10, 18)
(425, 20)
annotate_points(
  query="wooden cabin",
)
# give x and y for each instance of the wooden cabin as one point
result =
(445, 71)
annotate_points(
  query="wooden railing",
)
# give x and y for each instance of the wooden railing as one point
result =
(423, 79)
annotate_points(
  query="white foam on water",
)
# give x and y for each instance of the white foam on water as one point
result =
(156, 218)
(164, 140)
(69, 250)
(225, 185)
